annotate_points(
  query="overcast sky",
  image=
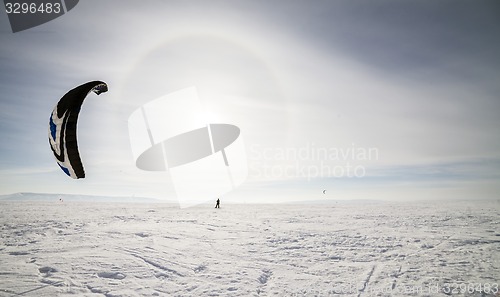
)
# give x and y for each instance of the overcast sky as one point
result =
(404, 92)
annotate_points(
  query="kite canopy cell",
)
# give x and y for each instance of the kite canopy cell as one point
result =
(62, 127)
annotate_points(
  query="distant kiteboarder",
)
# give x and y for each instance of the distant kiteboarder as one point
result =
(217, 203)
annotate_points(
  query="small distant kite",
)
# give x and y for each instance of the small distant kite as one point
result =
(62, 127)
(324, 191)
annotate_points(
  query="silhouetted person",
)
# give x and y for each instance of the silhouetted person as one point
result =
(217, 203)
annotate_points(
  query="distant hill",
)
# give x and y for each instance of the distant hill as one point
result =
(78, 198)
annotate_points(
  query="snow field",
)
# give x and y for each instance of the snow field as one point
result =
(342, 249)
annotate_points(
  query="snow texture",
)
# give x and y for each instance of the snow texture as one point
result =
(344, 249)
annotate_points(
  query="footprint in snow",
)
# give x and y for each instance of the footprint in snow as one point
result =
(142, 234)
(200, 268)
(112, 275)
(264, 277)
(47, 269)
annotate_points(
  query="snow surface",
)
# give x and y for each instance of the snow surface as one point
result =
(368, 249)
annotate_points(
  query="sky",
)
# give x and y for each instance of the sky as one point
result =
(385, 100)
